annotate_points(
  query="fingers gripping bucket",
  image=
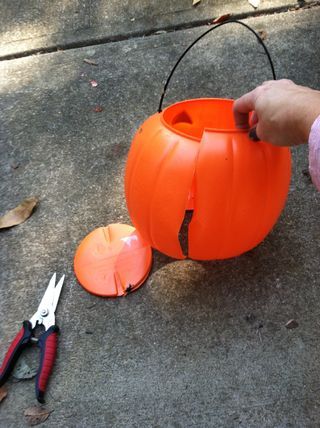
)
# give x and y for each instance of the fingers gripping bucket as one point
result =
(191, 156)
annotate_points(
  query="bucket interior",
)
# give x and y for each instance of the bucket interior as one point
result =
(190, 118)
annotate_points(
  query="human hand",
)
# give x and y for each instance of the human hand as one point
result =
(283, 112)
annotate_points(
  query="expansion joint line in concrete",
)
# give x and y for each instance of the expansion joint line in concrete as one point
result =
(92, 41)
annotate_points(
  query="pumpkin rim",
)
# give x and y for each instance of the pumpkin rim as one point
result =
(169, 126)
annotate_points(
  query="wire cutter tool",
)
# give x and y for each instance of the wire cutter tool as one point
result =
(47, 341)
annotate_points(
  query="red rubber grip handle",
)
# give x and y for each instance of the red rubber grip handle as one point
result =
(48, 345)
(21, 340)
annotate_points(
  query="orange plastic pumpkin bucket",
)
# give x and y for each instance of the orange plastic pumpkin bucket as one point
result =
(191, 156)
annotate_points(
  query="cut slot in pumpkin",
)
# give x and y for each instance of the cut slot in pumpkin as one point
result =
(183, 123)
(184, 232)
(182, 117)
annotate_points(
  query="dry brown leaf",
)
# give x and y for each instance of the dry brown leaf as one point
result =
(3, 393)
(254, 3)
(263, 34)
(36, 415)
(90, 61)
(195, 2)
(221, 18)
(292, 324)
(98, 109)
(19, 214)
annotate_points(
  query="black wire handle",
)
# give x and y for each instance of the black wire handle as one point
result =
(232, 21)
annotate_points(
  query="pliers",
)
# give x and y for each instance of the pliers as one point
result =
(47, 341)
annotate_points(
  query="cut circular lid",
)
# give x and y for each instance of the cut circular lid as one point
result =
(112, 261)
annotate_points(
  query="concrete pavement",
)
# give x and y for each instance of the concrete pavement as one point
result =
(200, 344)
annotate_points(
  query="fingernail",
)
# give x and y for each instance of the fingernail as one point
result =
(253, 135)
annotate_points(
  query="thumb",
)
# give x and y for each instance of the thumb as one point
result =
(241, 109)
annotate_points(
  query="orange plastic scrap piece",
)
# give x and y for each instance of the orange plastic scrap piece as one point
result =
(159, 177)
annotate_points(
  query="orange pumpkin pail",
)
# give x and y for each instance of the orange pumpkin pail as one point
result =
(191, 156)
